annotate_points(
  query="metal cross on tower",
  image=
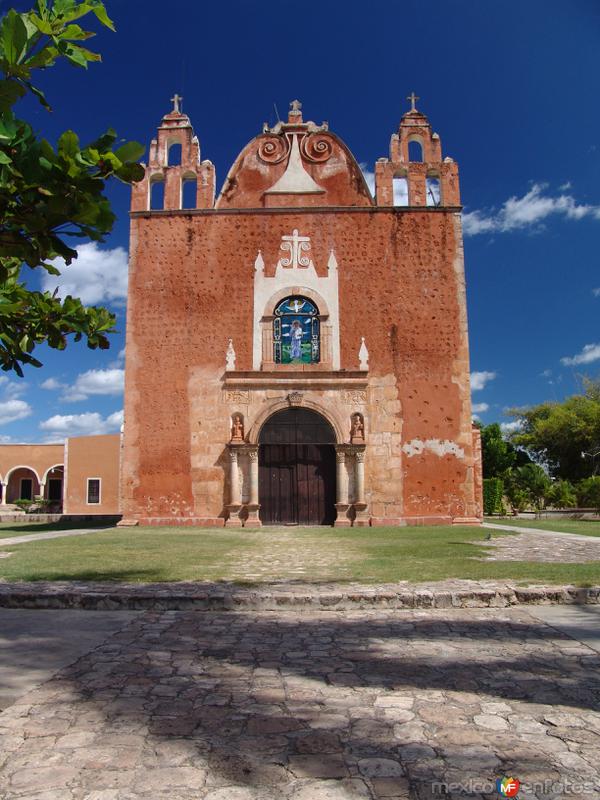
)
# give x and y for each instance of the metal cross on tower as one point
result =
(176, 99)
(413, 99)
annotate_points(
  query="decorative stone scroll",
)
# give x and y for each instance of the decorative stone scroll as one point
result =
(295, 398)
(295, 245)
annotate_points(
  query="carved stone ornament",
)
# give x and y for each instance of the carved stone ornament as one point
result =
(230, 357)
(295, 398)
(237, 396)
(363, 355)
(237, 428)
(357, 429)
(355, 397)
(294, 247)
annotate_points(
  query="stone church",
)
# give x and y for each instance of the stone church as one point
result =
(297, 349)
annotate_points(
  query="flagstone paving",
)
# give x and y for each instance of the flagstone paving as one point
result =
(533, 544)
(312, 706)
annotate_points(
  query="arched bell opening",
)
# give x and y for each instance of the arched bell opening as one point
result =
(297, 469)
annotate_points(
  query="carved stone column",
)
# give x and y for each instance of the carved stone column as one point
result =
(4, 501)
(360, 504)
(253, 520)
(235, 498)
(342, 505)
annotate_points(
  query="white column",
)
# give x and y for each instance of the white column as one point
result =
(362, 518)
(234, 480)
(4, 491)
(253, 520)
(235, 496)
(341, 490)
(253, 457)
(341, 482)
(359, 474)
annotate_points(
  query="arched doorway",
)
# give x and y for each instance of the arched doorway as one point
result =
(296, 478)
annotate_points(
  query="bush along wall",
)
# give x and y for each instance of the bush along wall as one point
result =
(493, 491)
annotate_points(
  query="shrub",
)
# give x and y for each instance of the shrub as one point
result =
(588, 492)
(493, 491)
(562, 495)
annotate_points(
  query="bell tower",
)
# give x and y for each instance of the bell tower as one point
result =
(175, 131)
(416, 161)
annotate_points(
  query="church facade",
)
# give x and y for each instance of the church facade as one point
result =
(297, 349)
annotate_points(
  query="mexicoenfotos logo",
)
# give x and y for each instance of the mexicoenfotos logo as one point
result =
(507, 787)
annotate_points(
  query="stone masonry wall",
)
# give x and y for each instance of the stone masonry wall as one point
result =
(401, 286)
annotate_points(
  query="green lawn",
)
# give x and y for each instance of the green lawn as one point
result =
(369, 555)
(582, 526)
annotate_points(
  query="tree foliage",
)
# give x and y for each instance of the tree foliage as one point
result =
(562, 495)
(50, 194)
(558, 433)
(498, 453)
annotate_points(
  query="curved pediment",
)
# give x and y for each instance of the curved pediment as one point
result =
(295, 164)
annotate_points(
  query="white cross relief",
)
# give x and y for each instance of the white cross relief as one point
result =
(295, 245)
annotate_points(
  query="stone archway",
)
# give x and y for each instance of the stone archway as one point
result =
(297, 469)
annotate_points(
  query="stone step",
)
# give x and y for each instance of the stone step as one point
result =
(207, 597)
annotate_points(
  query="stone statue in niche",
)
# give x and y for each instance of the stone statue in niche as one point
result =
(357, 429)
(237, 428)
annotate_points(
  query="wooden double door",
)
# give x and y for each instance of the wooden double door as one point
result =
(296, 484)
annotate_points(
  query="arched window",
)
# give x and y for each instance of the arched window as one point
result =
(174, 155)
(296, 334)
(415, 150)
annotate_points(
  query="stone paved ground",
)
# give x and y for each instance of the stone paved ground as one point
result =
(541, 545)
(312, 706)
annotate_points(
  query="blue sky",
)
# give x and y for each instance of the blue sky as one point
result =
(511, 87)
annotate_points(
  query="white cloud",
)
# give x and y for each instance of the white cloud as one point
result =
(89, 424)
(95, 382)
(399, 187)
(96, 276)
(369, 177)
(52, 384)
(522, 212)
(480, 379)
(400, 192)
(11, 389)
(479, 408)
(12, 410)
(596, 292)
(511, 427)
(591, 352)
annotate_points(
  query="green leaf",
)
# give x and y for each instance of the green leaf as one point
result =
(68, 144)
(5, 158)
(10, 92)
(100, 11)
(13, 37)
(130, 151)
(39, 94)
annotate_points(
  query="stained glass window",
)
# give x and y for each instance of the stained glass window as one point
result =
(296, 337)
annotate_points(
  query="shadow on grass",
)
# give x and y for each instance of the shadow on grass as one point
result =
(51, 527)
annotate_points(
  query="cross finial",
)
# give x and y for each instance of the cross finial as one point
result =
(295, 107)
(413, 99)
(176, 99)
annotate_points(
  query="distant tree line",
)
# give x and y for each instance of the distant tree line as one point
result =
(551, 460)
